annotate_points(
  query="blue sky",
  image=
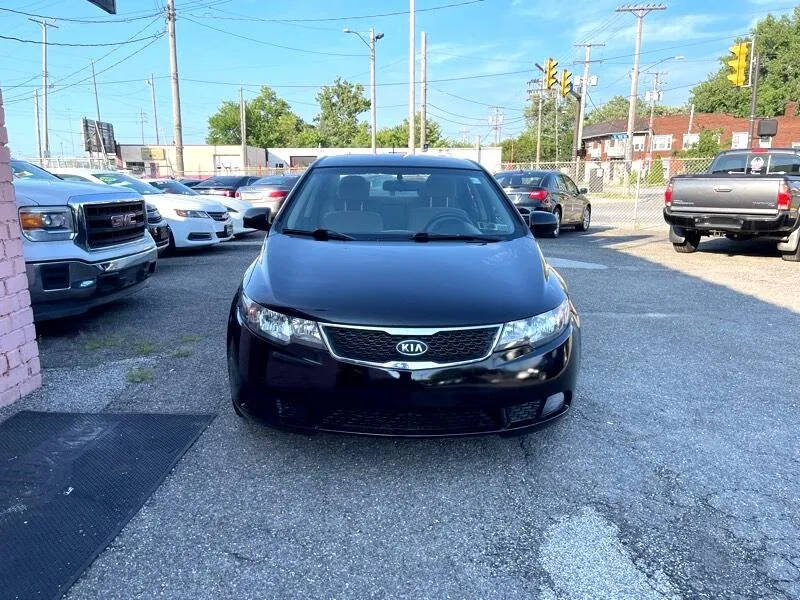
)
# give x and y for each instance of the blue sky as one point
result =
(480, 53)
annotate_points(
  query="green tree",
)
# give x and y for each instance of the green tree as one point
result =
(617, 108)
(270, 122)
(397, 136)
(655, 175)
(340, 105)
(778, 45)
(708, 144)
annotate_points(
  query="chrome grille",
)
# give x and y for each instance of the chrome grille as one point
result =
(378, 346)
(112, 223)
(218, 216)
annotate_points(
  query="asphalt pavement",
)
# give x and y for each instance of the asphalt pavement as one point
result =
(677, 474)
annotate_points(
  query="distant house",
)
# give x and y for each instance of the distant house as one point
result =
(674, 133)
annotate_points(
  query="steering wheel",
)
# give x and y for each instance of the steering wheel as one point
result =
(445, 218)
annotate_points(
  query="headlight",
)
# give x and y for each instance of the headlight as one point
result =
(231, 210)
(47, 223)
(535, 330)
(191, 214)
(279, 327)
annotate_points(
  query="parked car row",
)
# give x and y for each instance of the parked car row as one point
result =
(104, 230)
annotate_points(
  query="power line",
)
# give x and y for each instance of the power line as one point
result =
(352, 17)
(40, 42)
(257, 41)
(81, 21)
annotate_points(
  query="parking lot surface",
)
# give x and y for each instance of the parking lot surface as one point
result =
(676, 474)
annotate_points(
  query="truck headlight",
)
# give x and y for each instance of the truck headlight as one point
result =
(49, 223)
(536, 330)
(191, 214)
(279, 327)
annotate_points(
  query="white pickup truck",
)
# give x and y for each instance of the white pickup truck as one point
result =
(84, 244)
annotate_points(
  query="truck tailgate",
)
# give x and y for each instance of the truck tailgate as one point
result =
(730, 195)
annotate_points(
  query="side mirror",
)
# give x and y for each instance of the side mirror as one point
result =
(543, 224)
(583, 191)
(257, 218)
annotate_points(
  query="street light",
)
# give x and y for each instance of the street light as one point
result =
(373, 37)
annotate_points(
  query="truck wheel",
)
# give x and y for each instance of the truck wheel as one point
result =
(691, 239)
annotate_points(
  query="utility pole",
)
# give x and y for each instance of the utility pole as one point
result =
(640, 11)
(176, 93)
(38, 130)
(496, 123)
(582, 102)
(654, 97)
(464, 133)
(423, 120)
(45, 25)
(539, 93)
(411, 77)
(243, 127)
(152, 84)
(97, 123)
(142, 119)
(555, 106)
(753, 99)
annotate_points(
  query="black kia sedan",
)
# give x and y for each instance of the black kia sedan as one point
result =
(420, 307)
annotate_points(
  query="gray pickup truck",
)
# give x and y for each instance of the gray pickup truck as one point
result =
(744, 194)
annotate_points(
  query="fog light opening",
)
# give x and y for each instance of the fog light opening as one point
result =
(553, 404)
(86, 283)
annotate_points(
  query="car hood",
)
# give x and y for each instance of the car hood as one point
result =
(185, 202)
(403, 284)
(38, 192)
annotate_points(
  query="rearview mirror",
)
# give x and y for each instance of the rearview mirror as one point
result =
(543, 224)
(257, 218)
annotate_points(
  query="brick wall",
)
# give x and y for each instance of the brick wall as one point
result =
(19, 353)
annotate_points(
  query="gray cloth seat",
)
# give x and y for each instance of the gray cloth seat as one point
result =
(353, 192)
(353, 221)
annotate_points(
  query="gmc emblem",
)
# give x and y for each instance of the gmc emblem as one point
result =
(123, 220)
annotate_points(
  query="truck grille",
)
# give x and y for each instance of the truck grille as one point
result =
(218, 216)
(114, 223)
(379, 347)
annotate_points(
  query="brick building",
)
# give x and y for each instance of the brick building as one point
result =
(674, 133)
(19, 353)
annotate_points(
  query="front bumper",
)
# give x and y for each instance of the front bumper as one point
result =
(224, 229)
(299, 387)
(66, 288)
(776, 226)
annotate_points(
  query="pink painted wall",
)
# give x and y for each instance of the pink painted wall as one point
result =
(20, 371)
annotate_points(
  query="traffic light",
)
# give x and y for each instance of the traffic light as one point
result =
(738, 64)
(550, 77)
(566, 83)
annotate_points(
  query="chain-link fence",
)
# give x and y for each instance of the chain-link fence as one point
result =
(623, 194)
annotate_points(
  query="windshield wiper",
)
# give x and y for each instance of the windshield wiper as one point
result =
(319, 234)
(424, 236)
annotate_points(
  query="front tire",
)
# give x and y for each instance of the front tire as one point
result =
(587, 219)
(691, 239)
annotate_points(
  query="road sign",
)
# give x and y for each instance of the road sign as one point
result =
(93, 131)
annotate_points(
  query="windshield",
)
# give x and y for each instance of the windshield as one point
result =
(174, 187)
(25, 170)
(127, 181)
(520, 179)
(757, 163)
(224, 181)
(407, 201)
(276, 180)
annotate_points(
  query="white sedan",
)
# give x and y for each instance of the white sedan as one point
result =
(236, 207)
(194, 221)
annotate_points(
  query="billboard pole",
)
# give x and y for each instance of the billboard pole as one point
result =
(97, 123)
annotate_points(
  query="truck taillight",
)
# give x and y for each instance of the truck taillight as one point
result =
(784, 197)
(668, 195)
(538, 195)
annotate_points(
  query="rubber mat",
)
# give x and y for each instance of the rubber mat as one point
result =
(70, 482)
